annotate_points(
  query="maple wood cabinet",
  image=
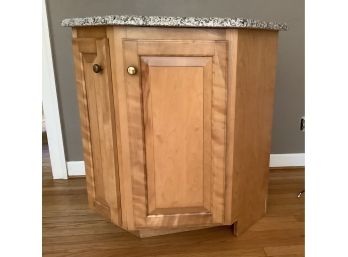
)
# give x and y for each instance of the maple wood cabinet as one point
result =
(176, 124)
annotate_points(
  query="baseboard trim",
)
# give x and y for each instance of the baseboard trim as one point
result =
(77, 168)
(287, 160)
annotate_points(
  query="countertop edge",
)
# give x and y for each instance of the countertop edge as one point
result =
(167, 21)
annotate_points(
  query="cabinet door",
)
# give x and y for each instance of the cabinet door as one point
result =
(177, 124)
(98, 125)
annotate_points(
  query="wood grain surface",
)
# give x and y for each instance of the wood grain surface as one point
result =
(174, 142)
(177, 128)
(71, 229)
(122, 133)
(253, 67)
(186, 140)
(98, 125)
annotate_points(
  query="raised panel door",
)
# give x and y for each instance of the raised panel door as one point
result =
(98, 125)
(177, 124)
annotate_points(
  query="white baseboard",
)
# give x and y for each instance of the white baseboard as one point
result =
(77, 168)
(287, 160)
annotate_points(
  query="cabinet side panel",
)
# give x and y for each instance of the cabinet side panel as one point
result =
(254, 84)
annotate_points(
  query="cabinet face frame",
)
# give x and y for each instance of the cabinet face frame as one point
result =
(211, 55)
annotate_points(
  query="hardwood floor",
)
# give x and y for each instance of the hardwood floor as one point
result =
(71, 229)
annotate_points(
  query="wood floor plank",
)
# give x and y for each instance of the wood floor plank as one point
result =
(70, 228)
(285, 250)
(289, 255)
(278, 223)
(253, 252)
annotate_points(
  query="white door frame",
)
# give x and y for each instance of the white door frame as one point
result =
(50, 105)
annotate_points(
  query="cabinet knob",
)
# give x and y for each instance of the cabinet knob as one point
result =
(97, 68)
(131, 70)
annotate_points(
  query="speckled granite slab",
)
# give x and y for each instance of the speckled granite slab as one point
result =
(166, 21)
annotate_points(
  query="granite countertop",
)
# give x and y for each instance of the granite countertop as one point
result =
(166, 21)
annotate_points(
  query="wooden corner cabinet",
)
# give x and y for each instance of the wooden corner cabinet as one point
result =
(176, 124)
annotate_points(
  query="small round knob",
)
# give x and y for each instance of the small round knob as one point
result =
(97, 68)
(131, 70)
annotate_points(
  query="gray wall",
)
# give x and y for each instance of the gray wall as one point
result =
(289, 101)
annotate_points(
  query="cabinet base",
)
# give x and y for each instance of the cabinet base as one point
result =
(144, 233)
(236, 229)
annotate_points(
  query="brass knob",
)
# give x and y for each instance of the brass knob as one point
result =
(97, 68)
(131, 70)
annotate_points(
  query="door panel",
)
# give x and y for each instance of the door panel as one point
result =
(175, 149)
(97, 118)
(176, 113)
(177, 144)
